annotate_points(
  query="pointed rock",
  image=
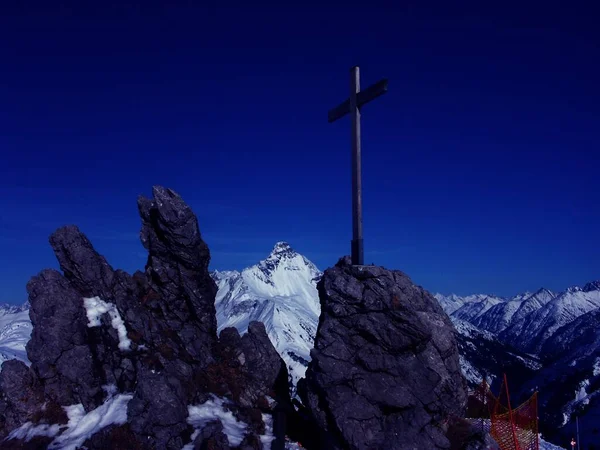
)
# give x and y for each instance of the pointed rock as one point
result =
(85, 269)
(177, 268)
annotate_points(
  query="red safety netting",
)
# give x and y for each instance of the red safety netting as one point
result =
(512, 429)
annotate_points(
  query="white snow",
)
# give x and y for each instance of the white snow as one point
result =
(530, 332)
(581, 394)
(280, 292)
(582, 397)
(15, 332)
(267, 438)
(471, 373)
(467, 329)
(81, 426)
(498, 317)
(597, 367)
(453, 302)
(28, 431)
(547, 445)
(96, 308)
(212, 410)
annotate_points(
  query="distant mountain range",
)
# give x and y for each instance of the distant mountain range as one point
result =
(15, 330)
(543, 340)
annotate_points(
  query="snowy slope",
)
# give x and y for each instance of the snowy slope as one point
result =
(498, 317)
(279, 291)
(15, 331)
(530, 332)
(591, 286)
(501, 316)
(569, 384)
(452, 302)
(521, 297)
(482, 356)
(527, 320)
(476, 306)
(548, 446)
(534, 302)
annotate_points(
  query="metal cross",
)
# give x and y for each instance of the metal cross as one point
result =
(352, 106)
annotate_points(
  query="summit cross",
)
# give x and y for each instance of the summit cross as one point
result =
(352, 106)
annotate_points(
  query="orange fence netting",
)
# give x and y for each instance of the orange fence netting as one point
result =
(512, 429)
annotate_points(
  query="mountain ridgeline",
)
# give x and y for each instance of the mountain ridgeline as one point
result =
(175, 357)
(543, 340)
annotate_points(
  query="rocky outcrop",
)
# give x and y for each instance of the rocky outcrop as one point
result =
(103, 339)
(384, 372)
(134, 361)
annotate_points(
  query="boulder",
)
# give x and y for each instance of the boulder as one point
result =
(385, 372)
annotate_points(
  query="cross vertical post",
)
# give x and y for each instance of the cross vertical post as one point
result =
(357, 224)
(352, 106)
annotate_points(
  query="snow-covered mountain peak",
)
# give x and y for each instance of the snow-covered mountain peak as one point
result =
(539, 323)
(476, 306)
(281, 248)
(542, 296)
(281, 292)
(592, 286)
(521, 297)
(13, 309)
(451, 303)
(283, 273)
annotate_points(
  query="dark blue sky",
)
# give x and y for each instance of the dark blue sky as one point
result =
(480, 164)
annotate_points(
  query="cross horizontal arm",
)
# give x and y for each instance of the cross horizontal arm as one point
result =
(363, 97)
(339, 111)
(372, 92)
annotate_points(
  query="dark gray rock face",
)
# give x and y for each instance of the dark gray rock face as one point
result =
(154, 338)
(384, 372)
(59, 351)
(20, 396)
(212, 438)
(177, 271)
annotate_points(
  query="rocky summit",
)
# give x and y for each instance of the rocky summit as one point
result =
(126, 361)
(138, 356)
(385, 371)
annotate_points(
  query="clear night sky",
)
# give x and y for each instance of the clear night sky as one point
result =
(480, 164)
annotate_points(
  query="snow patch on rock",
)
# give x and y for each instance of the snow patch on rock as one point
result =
(213, 410)
(95, 308)
(81, 425)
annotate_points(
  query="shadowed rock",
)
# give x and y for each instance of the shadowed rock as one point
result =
(87, 271)
(98, 332)
(21, 395)
(59, 349)
(177, 270)
(384, 372)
